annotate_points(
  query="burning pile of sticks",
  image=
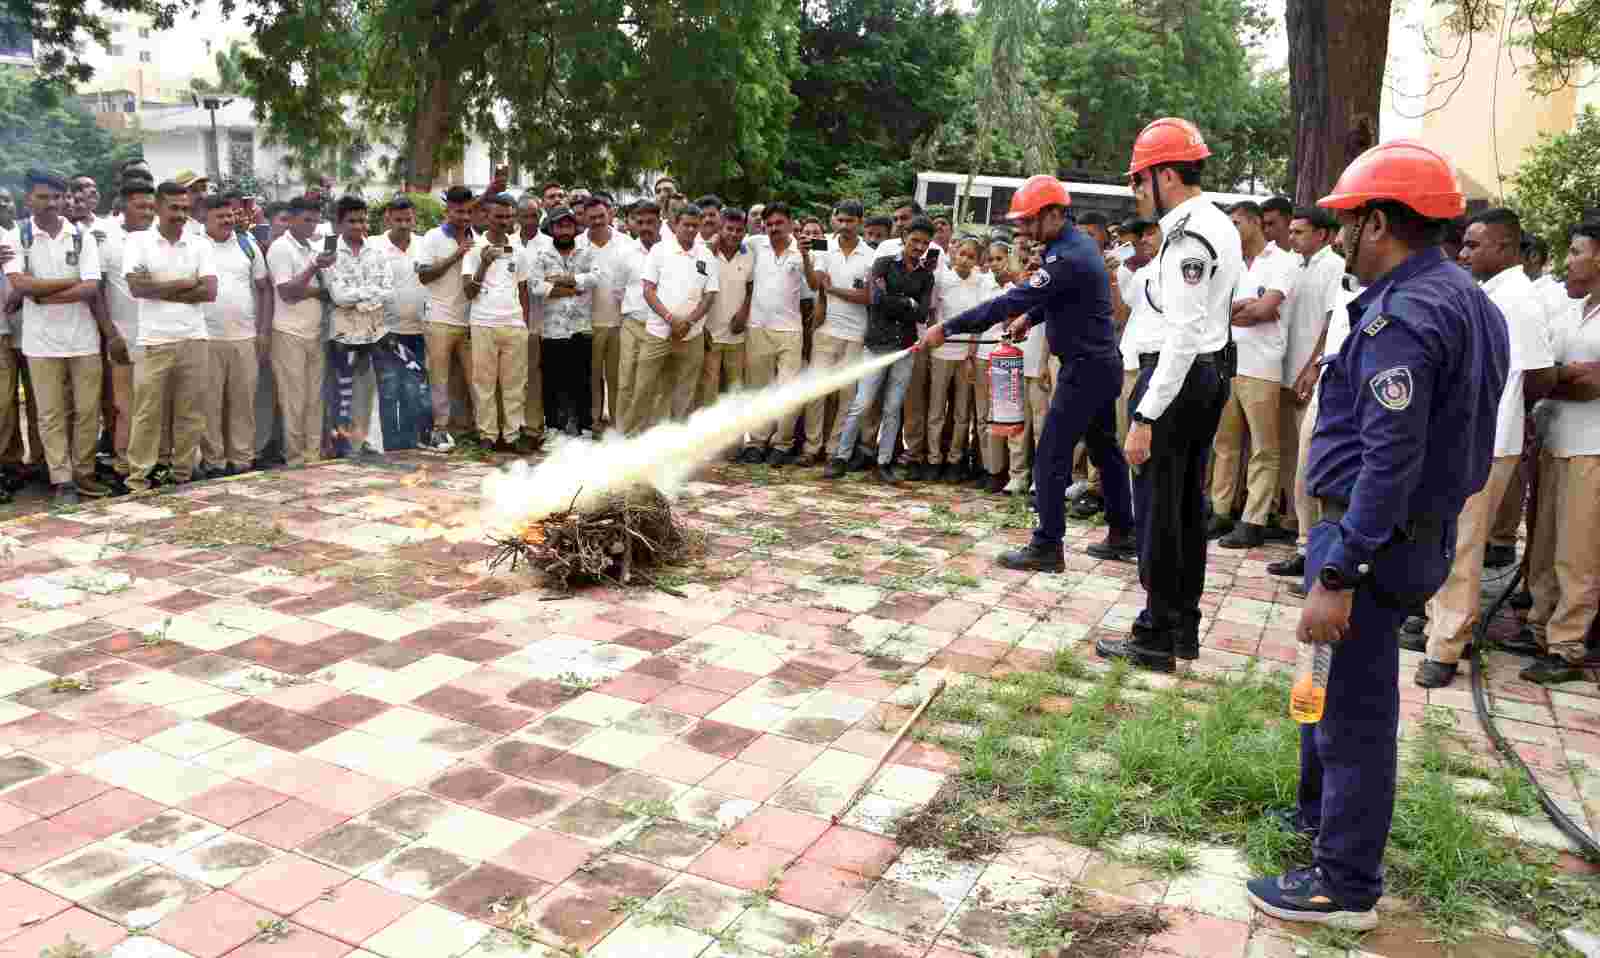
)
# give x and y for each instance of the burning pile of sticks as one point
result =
(606, 542)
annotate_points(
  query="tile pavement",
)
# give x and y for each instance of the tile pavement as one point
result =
(361, 733)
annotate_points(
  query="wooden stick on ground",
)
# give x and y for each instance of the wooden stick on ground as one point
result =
(894, 743)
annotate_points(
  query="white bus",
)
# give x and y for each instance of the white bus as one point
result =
(991, 196)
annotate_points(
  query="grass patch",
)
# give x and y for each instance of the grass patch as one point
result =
(1065, 927)
(221, 528)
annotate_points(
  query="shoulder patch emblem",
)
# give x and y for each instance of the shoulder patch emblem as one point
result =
(1040, 279)
(1392, 388)
(1051, 258)
(1194, 270)
(1376, 326)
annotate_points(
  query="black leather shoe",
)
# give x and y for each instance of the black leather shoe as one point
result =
(1415, 625)
(835, 469)
(860, 462)
(1218, 527)
(1523, 644)
(1499, 557)
(1034, 558)
(1293, 568)
(778, 458)
(1413, 642)
(1117, 548)
(886, 474)
(1151, 651)
(1089, 505)
(994, 485)
(1435, 675)
(1272, 532)
(1245, 535)
(1551, 669)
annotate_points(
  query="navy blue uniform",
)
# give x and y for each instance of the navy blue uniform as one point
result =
(1071, 295)
(1405, 433)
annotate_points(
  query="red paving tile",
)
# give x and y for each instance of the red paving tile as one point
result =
(748, 866)
(359, 911)
(212, 925)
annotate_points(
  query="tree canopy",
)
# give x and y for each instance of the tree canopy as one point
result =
(1559, 182)
(40, 128)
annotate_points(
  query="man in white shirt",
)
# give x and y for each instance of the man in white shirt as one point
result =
(606, 245)
(56, 268)
(1145, 330)
(1304, 318)
(1564, 563)
(235, 322)
(173, 273)
(405, 410)
(1277, 218)
(782, 277)
(710, 220)
(728, 324)
(842, 274)
(530, 240)
(139, 212)
(646, 220)
(679, 283)
(1253, 402)
(298, 358)
(361, 284)
(563, 278)
(439, 269)
(1492, 251)
(494, 277)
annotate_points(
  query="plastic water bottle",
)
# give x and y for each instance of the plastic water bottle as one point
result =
(1310, 692)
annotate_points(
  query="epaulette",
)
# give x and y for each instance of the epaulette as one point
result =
(1180, 231)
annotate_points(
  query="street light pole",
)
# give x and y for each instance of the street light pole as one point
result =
(213, 104)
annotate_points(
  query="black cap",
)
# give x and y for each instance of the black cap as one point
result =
(557, 215)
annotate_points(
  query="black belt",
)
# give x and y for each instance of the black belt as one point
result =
(1150, 359)
(1421, 527)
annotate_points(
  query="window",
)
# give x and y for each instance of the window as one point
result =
(115, 49)
(129, 106)
(941, 194)
(144, 56)
(241, 153)
(1000, 203)
(144, 33)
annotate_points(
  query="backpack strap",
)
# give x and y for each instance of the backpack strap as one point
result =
(246, 245)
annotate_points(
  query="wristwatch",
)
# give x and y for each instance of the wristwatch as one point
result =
(1143, 420)
(1334, 579)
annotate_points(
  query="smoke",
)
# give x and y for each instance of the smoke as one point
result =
(664, 457)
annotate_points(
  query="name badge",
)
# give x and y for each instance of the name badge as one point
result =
(858, 284)
(700, 266)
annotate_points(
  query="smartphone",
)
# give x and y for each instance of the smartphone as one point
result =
(932, 259)
(263, 235)
(330, 244)
(819, 246)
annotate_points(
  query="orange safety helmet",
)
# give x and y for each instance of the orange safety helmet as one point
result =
(1405, 171)
(1167, 140)
(1037, 193)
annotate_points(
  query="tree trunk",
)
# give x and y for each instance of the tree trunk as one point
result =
(1336, 110)
(428, 129)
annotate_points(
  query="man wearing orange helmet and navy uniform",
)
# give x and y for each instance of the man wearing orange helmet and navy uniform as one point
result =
(1184, 372)
(1071, 295)
(1405, 434)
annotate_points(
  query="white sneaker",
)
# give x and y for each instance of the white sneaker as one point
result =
(1077, 489)
(1015, 486)
(442, 441)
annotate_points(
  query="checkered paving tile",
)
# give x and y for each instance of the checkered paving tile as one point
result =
(355, 741)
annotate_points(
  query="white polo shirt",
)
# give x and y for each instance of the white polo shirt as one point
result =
(1306, 308)
(406, 310)
(682, 279)
(120, 303)
(287, 258)
(162, 322)
(953, 296)
(497, 302)
(630, 276)
(447, 300)
(1574, 427)
(847, 320)
(1145, 332)
(1528, 329)
(733, 286)
(780, 284)
(1261, 347)
(606, 309)
(66, 329)
(232, 318)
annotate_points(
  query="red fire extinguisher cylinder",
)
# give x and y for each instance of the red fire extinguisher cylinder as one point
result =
(1007, 395)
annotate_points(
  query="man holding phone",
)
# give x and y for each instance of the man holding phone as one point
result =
(842, 283)
(439, 269)
(297, 353)
(494, 278)
(782, 276)
(362, 287)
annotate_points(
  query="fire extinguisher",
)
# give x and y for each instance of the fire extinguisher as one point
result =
(1007, 412)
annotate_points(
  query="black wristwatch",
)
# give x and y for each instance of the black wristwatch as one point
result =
(1334, 579)
(1143, 420)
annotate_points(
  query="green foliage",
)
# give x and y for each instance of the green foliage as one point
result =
(1558, 180)
(230, 72)
(40, 128)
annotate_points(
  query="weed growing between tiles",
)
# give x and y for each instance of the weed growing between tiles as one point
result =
(1092, 757)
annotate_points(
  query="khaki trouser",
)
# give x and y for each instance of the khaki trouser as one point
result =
(69, 414)
(1565, 565)
(947, 387)
(122, 415)
(1252, 405)
(606, 343)
(10, 418)
(828, 352)
(1508, 513)
(500, 363)
(773, 357)
(1454, 609)
(634, 336)
(1291, 413)
(722, 371)
(298, 366)
(914, 420)
(179, 373)
(533, 395)
(231, 404)
(12, 452)
(1307, 511)
(447, 346)
(991, 448)
(665, 377)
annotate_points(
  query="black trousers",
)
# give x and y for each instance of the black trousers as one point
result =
(1170, 497)
(564, 366)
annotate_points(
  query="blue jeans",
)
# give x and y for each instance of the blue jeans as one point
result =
(405, 408)
(899, 376)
